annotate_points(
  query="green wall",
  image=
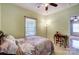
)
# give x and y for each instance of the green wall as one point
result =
(0, 16)
(41, 26)
(59, 21)
(13, 19)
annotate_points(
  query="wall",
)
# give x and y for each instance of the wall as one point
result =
(13, 19)
(59, 21)
(0, 16)
(41, 26)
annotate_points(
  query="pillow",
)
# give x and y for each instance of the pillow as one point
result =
(11, 38)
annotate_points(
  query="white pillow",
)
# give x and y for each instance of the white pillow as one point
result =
(11, 38)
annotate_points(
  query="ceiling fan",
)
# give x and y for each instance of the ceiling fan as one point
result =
(47, 4)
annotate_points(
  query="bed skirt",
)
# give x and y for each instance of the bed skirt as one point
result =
(2, 53)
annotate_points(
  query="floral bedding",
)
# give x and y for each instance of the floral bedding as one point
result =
(36, 45)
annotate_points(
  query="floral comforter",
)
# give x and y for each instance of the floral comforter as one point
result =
(36, 45)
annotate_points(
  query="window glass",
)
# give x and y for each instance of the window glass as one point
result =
(30, 26)
(75, 27)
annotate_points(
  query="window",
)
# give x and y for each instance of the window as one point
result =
(30, 26)
(74, 26)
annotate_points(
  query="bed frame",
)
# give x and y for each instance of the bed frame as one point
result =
(6, 54)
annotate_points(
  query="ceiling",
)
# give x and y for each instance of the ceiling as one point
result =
(41, 10)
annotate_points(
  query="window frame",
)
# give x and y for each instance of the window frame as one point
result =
(71, 27)
(25, 24)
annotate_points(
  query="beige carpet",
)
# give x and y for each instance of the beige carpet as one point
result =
(60, 50)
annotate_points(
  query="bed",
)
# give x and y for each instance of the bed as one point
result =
(35, 45)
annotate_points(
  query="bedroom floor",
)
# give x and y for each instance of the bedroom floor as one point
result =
(60, 50)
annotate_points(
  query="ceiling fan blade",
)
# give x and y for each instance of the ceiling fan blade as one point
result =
(46, 8)
(53, 4)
